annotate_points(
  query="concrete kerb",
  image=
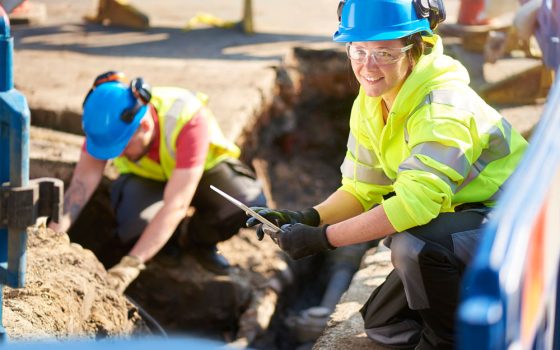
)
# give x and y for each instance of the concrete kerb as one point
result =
(345, 329)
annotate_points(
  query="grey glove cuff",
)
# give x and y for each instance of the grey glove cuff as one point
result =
(310, 217)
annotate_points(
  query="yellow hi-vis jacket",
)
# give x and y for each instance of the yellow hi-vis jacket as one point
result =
(175, 108)
(442, 146)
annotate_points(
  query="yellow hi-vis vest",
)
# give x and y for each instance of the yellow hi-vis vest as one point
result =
(442, 146)
(175, 108)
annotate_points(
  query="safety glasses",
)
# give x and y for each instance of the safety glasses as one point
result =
(381, 57)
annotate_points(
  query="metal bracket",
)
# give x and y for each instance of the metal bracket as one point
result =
(51, 200)
(21, 206)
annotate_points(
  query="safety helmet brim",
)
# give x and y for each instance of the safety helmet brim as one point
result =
(353, 37)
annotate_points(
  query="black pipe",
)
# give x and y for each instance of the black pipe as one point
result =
(149, 319)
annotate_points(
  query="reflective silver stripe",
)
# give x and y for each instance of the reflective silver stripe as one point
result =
(445, 97)
(498, 148)
(413, 163)
(171, 118)
(364, 155)
(454, 99)
(364, 173)
(498, 145)
(451, 156)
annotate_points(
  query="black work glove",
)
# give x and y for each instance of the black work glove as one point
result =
(282, 217)
(300, 240)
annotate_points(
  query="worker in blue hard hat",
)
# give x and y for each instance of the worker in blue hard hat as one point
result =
(168, 149)
(426, 160)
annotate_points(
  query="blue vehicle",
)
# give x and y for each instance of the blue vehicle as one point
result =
(510, 292)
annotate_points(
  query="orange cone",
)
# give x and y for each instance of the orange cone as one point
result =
(470, 12)
(21, 8)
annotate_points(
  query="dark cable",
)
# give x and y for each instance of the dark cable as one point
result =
(150, 320)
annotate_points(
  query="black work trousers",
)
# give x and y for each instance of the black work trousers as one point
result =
(136, 200)
(415, 307)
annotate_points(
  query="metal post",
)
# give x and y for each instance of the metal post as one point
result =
(14, 161)
(247, 20)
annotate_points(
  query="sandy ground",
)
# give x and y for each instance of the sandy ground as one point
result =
(65, 295)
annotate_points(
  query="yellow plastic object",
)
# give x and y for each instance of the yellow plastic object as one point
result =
(209, 20)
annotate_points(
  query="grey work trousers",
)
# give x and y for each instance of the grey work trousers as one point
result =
(136, 200)
(415, 307)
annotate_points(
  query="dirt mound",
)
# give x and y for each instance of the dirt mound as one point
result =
(65, 295)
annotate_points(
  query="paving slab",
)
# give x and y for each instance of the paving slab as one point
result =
(345, 329)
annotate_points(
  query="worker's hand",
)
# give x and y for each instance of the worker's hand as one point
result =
(281, 217)
(126, 271)
(300, 240)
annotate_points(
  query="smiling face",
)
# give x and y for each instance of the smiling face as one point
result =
(383, 80)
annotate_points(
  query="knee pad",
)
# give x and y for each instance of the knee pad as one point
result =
(405, 249)
(405, 253)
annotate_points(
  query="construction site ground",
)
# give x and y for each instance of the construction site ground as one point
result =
(254, 94)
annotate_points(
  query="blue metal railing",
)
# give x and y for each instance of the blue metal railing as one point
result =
(510, 290)
(14, 166)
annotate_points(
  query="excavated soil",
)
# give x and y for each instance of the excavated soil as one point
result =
(66, 295)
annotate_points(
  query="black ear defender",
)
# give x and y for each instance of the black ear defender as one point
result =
(141, 91)
(339, 10)
(433, 10)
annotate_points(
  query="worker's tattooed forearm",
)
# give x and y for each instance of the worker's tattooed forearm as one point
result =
(75, 199)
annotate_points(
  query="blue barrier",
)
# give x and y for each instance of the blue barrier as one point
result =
(14, 167)
(511, 288)
(148, 343)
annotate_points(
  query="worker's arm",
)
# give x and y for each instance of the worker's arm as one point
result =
(338, 207)
(86, 177)
(303, 240)
(360, 229)
(177, 197)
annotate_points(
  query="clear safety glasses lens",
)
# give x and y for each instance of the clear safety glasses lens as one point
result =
(379, 56)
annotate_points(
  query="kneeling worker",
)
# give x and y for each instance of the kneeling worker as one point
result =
(168, 149)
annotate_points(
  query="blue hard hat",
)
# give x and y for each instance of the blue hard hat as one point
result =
(111, 116)
(373, 20)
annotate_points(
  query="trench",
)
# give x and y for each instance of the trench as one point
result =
(296, 148)
(300, 150)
